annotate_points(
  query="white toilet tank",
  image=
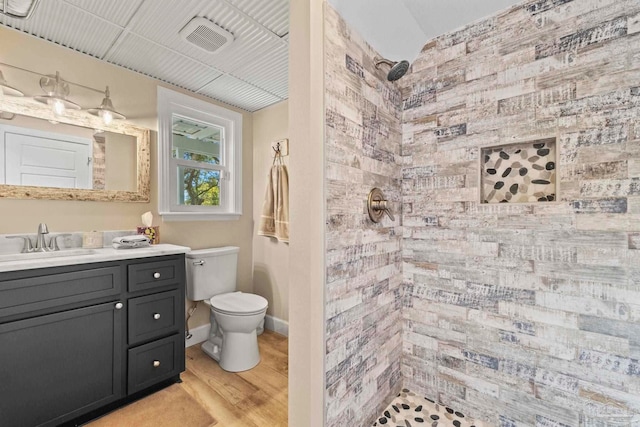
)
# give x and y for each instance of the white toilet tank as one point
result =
(211, 272)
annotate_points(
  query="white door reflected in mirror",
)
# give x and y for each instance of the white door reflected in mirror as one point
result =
(46, 160)
(37, 153)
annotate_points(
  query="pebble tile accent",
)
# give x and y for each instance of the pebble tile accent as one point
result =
(411, 410)
(519, 173)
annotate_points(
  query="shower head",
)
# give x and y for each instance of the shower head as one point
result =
(398, 69)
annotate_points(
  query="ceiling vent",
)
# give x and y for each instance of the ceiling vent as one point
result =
(19, 9)
(206, 35)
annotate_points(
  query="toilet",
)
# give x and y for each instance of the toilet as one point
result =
(236, 317)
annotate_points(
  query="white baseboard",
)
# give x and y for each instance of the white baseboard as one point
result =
(198, 335)
(276, 325)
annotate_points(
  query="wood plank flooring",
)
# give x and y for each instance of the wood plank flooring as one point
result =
(209, 396)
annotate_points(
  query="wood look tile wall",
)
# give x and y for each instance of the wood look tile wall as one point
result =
(364, 260)
(526, 314)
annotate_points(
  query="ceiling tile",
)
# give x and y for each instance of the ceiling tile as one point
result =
(248, 50)
(147, 58)
(57, 21)
(118, 12)
(237, 93)
(268, 70)
(274, 15)
(252, 71)
(163, 25)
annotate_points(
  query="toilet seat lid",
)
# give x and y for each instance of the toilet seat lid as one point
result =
(238, 303)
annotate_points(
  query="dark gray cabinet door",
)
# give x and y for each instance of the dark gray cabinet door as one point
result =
(56, 367)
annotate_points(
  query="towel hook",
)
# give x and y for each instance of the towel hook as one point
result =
(377, 206)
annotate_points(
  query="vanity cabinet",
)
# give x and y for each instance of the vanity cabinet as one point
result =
(60, 365)
(77, 341)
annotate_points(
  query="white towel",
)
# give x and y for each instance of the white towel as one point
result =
(131, 242)
(274, 221)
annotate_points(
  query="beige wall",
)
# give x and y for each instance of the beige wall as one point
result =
(270, 257)
(134, 95)
(307, 211)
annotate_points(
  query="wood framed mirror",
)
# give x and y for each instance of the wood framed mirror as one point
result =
(70, 157)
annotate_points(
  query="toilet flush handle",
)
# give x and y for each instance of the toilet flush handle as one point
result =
(200, 262)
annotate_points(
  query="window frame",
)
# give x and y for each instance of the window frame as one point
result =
(172, 103)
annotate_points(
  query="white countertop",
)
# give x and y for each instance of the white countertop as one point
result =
(16, 262)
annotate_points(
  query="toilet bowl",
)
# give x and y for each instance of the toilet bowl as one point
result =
(236, 320)
(236, 317)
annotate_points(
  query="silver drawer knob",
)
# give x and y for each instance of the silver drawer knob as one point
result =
(156, 363)
(156, 275)
(156, 316)
(119, 306)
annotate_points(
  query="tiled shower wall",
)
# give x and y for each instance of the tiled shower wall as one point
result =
(526, 314)
(364, 279)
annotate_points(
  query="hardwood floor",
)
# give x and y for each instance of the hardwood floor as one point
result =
(210, 396)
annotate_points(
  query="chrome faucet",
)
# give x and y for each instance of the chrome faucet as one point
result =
(41, 243)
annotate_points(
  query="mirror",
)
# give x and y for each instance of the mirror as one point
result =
(74, 157)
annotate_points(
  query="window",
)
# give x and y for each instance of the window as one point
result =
(200, 159)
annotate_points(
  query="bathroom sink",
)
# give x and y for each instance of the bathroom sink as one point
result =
(41, 255)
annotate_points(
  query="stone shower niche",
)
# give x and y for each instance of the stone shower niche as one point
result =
(519, 173)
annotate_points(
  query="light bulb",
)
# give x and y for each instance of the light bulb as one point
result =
(107, 117)
(57, 106)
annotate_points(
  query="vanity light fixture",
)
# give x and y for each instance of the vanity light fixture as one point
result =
(106, 111)
(7, 89)
(56, 90)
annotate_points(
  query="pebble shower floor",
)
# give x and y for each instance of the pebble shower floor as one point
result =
(411, 410)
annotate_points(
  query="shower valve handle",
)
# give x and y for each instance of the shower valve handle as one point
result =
(377, 206)
(381, 206)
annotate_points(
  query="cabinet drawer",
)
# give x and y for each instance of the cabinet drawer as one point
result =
(150, 275)
(154, 362)
(153, 316)
(28, 294)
